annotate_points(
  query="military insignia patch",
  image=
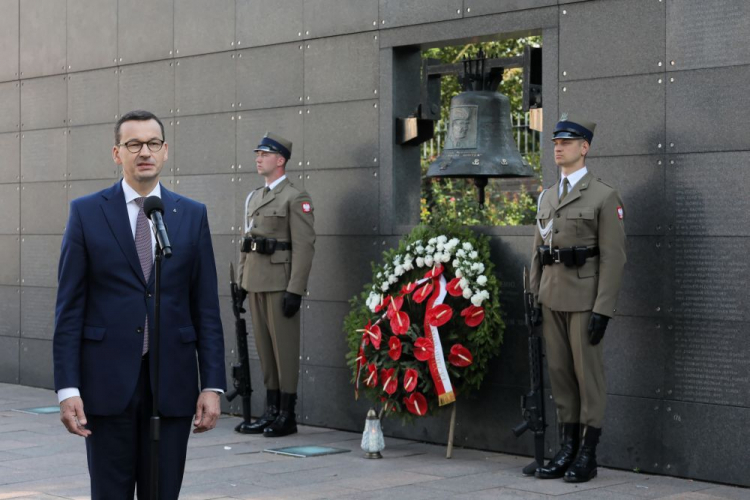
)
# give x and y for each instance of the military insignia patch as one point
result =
(307, 208)
(620, 213)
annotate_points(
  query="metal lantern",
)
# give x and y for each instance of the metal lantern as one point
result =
(479, 142)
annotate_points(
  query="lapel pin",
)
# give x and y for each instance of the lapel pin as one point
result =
(174, 210)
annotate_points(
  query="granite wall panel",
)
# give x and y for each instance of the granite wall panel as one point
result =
(202, 27)
(10, 157)
(42, 37)
(44, 102)
(38, 312)
(90, 152)
(44, 155)
(148, 86)
(270, 89)
(35, 363)
(144, 30)
(345, 200)
(205, 84)
(92, 41)
(337, 17)
(205, 144)
(10, 106)
(9, 364)
(9, 38)
(92, 97)
(10, 207)
(10, 311)
(268, 22)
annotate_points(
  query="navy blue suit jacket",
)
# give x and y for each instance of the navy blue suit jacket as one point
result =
(103, 299)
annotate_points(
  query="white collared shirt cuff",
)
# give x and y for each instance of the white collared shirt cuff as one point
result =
(68, 392)
(220, 391)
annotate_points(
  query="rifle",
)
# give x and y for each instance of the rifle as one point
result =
(532, 404)
(240, 371)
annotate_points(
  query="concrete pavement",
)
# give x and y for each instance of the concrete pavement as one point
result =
(40, 460)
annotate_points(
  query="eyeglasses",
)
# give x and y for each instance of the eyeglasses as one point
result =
(154, 145)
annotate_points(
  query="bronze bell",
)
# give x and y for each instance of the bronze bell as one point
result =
(479, 142)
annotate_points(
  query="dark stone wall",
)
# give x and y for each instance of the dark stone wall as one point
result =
(664, 81)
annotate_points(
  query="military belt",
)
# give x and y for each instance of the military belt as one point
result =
(266, 246)
(570, 256)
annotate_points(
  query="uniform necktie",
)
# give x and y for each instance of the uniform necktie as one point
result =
(145, 255)
(566, 183)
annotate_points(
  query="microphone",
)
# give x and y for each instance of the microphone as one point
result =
(154, 208)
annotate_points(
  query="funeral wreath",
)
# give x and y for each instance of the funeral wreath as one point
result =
(423, 332)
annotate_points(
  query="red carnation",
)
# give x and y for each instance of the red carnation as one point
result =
(421, 294)
(436, 270)
(372, 377)
(394, 348)
(454, 287)
(400, 322)
(390, 381)
(410, 379)
(423, 349)
(439, 315)
(416, 403)
(460, 356)
(473, 315)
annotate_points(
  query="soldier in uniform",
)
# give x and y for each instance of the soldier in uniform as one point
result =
(275, 262)
(576, 271)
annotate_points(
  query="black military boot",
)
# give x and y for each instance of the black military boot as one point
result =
(584, 467)
(272, 412)
(286, 422)
(556, 467)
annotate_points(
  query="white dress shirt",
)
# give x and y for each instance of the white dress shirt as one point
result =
(572, 179)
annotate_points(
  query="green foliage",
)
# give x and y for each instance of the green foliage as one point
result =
(482, 341)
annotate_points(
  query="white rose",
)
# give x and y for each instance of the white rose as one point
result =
(442, 239)
(440, 247)
(467, 293)
(408, 266)
(475, 266)
(463, 283)
(431, 241)
(420, 249)
(380, 275)
(392, 279)
(486, 294)
(482, 280)
(456, 263)
(453, 242)
(467, 246)
(399, 270)
(459, 273)
(477, 299)
(480, 268)
(429, 249)
(474, 254)
(384, 286)
(461, 253)
(428, 261)
(420, 262)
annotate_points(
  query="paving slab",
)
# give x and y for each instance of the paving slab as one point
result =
(40, 460)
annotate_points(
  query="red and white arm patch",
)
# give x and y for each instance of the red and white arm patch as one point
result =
(307, 208)
(620, 213)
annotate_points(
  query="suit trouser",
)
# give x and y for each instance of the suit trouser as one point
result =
(576, 368)
(119, 447)
(277, 339)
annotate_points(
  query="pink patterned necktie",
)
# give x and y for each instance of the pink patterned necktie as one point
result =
(145, 255)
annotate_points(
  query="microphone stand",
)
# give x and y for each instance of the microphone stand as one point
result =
(154, 349)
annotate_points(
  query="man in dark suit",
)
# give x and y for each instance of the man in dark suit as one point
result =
(105, 307)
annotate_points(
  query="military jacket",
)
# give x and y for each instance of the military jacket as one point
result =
(590, 215)
(286, 214)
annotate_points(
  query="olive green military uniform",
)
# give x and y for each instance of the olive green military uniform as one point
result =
(284, 213)
(591, 215)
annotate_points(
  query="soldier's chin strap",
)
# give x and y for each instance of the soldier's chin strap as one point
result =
(544, 231)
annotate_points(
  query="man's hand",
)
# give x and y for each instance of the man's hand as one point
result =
(291, 304)
(72, 416)
(207, 411)
(536, 316)
(597, 325)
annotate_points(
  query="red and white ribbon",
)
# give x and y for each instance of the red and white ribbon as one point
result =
(436, 363)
